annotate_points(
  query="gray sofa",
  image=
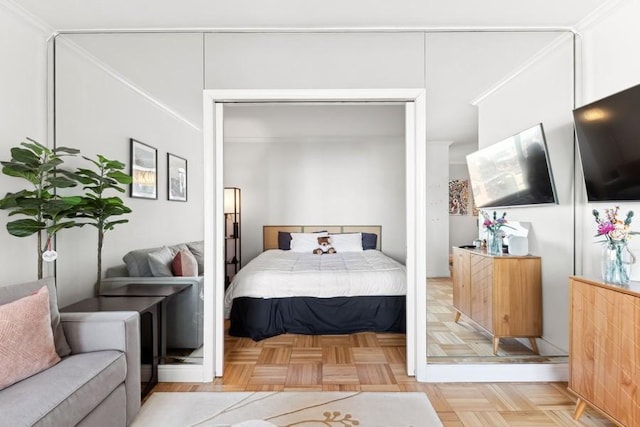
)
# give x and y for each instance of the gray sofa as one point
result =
(185, 311)
(97, 384)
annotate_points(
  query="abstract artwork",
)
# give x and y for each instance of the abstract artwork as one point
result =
(459, 197)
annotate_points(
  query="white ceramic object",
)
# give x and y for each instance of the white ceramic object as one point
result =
(518, 246)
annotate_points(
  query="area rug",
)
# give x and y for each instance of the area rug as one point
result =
(287, 409)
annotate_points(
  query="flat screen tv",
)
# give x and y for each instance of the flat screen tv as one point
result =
(608, 134)
(513, 172)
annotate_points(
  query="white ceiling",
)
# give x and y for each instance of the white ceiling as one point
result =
(119, 14)
(461, 66)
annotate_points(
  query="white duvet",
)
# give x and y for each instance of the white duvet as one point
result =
(280, 274)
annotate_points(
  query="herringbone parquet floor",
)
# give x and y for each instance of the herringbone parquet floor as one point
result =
(376, 362)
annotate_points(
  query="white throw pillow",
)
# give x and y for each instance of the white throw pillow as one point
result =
(305, 242)
(348, 242)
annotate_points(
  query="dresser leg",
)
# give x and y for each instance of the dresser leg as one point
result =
(580, 407)
(496, 341)
(457, 317)
(534, 345)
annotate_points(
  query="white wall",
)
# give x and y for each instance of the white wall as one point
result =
(460, 66)
(319, 183)
(437, 209)
(23, 109)
(108, 107)
(374, 168)
(314, 61)
(610, 65)
(320, 165)
(98, 114)
(543, 93)
(463, 229)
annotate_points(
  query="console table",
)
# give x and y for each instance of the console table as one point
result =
(143, 305)
(500, 293)
(164, 290)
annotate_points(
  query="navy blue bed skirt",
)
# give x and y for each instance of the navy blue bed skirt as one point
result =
(260, 318)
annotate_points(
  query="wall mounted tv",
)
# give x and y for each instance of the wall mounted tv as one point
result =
(513, 172)
(608, 134)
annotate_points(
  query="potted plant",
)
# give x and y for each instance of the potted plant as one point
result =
(95, 207)
(44, 211)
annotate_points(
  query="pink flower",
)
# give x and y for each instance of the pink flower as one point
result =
(612, 228)
(605, 228)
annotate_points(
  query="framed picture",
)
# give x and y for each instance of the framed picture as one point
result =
(458, 197)
(144, 170)
(176, 178)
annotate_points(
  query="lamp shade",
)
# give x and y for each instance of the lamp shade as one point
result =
(231, 200)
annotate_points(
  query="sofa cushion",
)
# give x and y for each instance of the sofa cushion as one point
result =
(66, 393)
(184, 264)
(110, 412)
(26, 338)
(13, 292)
(197, 249)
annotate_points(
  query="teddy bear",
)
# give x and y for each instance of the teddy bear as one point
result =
(324, 246)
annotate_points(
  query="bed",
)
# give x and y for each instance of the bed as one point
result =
(288, 291)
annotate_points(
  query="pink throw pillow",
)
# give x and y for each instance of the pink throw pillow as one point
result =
(26, 339)
(184, 264)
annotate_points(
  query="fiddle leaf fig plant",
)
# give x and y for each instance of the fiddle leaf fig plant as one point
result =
(43, 211)
(97, 209)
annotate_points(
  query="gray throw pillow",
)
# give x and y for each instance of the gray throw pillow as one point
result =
(11, 293)
(197, 249)
(178, 248)
(137, 262)
(160, 262)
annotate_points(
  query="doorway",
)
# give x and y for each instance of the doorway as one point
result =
(214, 107)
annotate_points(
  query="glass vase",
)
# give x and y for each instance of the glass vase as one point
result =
(494, 244)
(616, 263)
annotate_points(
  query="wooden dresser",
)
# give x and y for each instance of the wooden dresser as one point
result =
(604, 349)
(502, 294)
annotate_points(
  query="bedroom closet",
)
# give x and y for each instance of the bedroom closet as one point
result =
(319, 163)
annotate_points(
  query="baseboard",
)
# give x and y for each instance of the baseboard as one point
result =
(498, 372)
(180, 373)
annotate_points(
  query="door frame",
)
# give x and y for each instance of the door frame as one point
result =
(415, 155)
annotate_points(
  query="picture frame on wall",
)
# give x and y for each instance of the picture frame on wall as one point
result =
(176, 178)
(143, 170)
(459, 197)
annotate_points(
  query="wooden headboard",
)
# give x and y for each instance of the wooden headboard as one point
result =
(270, 232)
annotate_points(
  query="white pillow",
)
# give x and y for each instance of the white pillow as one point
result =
(305, 242)
(348, 242)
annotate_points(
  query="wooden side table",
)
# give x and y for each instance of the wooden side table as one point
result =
(142, 305)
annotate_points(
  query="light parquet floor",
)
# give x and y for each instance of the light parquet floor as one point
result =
(376, 362)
